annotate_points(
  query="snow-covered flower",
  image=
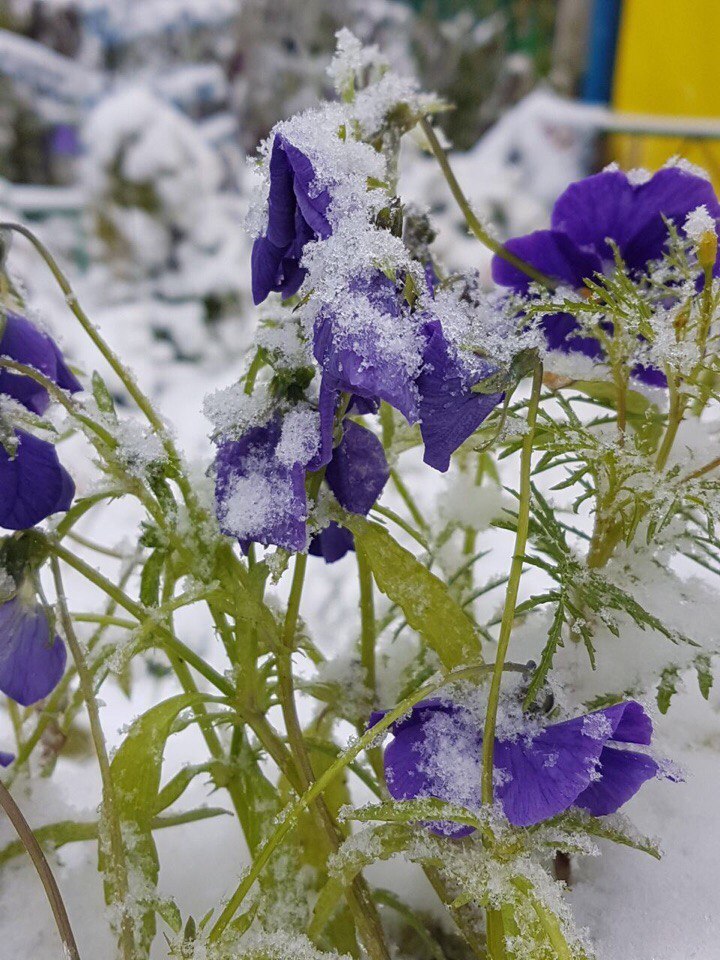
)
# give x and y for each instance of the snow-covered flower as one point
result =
(373, 345)
(20, 340)
(609, 206)
(540, 771)
(32, 659)
(260, 480)
(33, 483)
(296, 214)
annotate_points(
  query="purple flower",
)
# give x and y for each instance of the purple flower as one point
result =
(297, 214)
(370, 345)
(6, 758)
(356, 474)
(24, 343)
(449, 411)
(260, 481)
(33, 483)
(539, 771)
(332, 543)
(32, 661)
(606, 206)
(259, 497)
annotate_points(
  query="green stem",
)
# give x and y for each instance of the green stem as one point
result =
(675, 415)
(169, 641)
(110, 803)
(512, 588)
(358, 896)
(29, 841)
(367, 623)
(113, 361)
(476, 227)
(409, 501)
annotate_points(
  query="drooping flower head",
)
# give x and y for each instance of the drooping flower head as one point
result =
(22, 341)
(540, 771)
(609, 206)
(33, 483)
(260, 486)
(296, 214)
(32, 657)
(373, 345)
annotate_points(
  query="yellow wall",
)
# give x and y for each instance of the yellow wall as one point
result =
(668, 62)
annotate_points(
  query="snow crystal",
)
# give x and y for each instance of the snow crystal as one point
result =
(300, 436)
(233, 412)
(638, 176)
(597, 726)
(687, 166)
(254, 502)
(138, 446)
(698, 223)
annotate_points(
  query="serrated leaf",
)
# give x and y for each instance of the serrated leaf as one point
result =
(546, 658)
(425, 600)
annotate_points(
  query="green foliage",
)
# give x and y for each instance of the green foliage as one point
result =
(425, 600)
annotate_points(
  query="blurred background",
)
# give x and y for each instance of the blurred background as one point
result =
(124, 125)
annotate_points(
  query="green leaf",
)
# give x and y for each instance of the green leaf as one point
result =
(170, 913)
(175, 788)
(150, 578)
(705, 677)
(103, 397)
(137, 766)
(412, 811)
(546, 659)
(667, 688)
(425, 600)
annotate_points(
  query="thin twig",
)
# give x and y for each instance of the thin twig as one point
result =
(27, 838)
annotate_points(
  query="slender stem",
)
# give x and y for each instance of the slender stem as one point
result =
(28, 840)
(512, 588)
(462, 915)
(675, 415)
(169, 641)
(358, 896)
(476, 227)
(403, 524)
(701, 471)
(408, 500)
(367, 623)
(128, 381)
(110, 803)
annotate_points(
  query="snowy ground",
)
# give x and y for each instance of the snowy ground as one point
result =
(635, 907)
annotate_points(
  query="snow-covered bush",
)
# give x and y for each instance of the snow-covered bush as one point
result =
(481, 747)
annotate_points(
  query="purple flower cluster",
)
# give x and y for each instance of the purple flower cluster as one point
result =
(386, 351)
(540, 772)
(33, 486)
(608, 206)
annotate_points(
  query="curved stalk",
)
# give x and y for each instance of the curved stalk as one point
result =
(473, 222)
(28, 840)
(512, 589)
(110, 804)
